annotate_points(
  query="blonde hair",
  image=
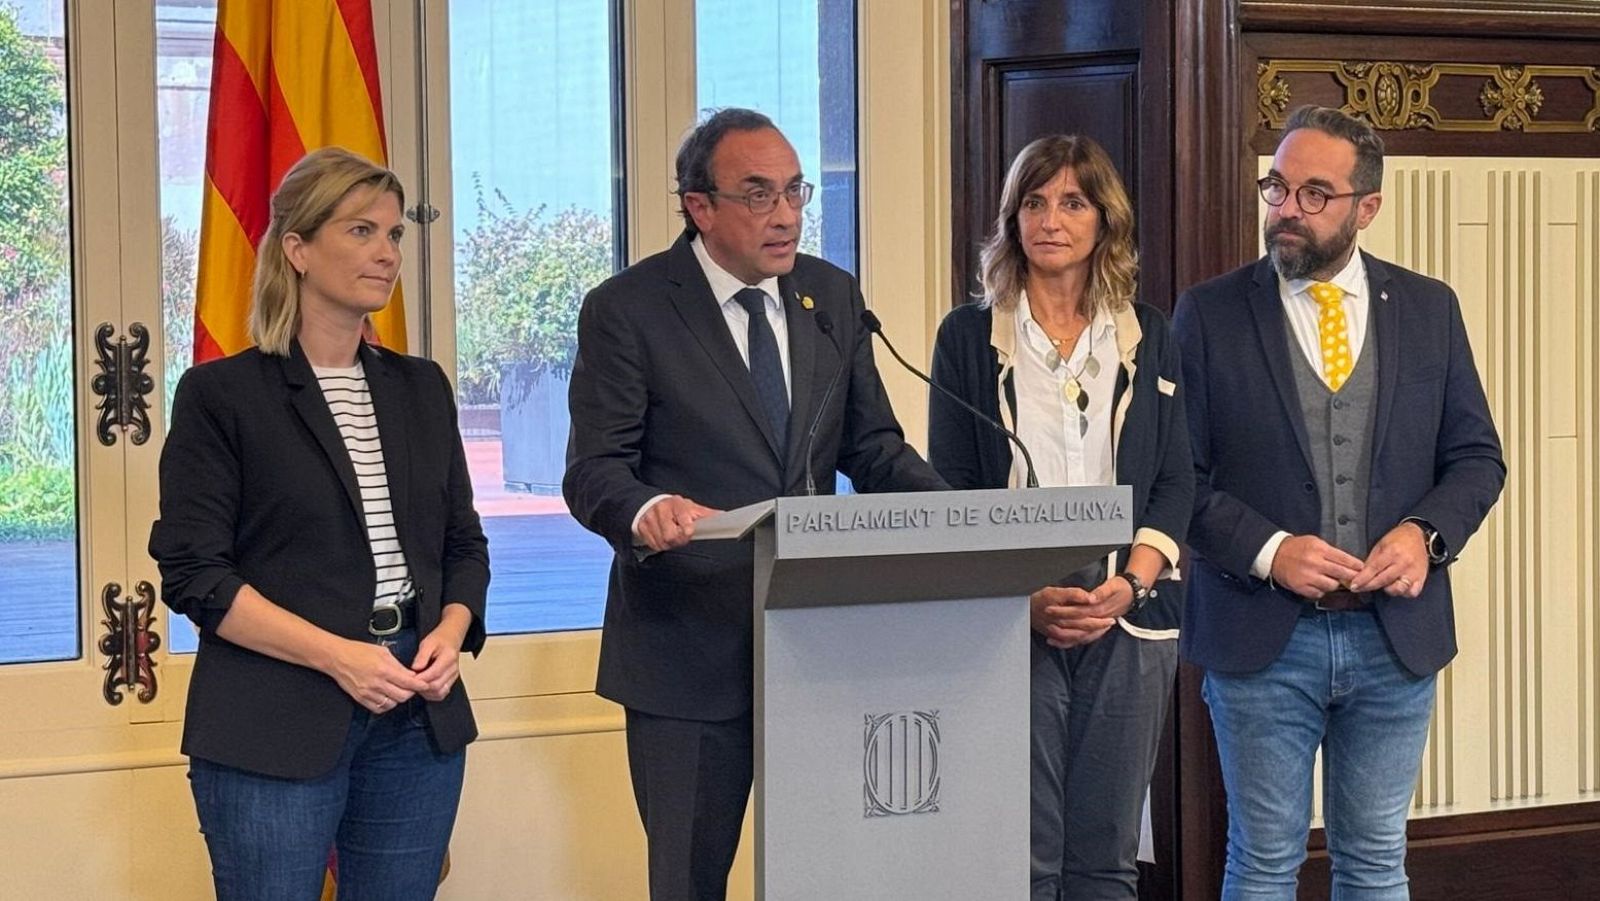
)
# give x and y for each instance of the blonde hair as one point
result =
(1114, 264)
(303, 203)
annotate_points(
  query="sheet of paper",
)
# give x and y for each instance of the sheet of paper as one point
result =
(732, 523)
(724, 526)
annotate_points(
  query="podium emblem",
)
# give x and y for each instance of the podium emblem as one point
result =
(900, 763)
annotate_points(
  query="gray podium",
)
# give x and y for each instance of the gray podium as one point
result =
(891, 684)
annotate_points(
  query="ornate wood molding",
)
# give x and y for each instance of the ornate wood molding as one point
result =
(1543, 20)
(1446, 97)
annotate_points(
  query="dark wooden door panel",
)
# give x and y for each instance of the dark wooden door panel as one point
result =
(1025, 69)
(1096, 100)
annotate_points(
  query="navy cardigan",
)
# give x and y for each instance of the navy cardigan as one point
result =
(1152, 447)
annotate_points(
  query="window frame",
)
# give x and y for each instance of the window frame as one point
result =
(535, 684)
(903, 196)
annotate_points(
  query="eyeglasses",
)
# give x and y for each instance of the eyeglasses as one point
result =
(1310, 198)
(762, 201)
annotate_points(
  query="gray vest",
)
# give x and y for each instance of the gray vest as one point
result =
(1340, 428)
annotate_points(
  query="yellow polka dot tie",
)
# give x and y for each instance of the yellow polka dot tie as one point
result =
(1332, 333)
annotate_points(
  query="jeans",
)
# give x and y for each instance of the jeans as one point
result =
(388, 806)
(1337, 685)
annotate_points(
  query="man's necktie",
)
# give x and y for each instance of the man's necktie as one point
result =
(1332, 333)
(766, 367)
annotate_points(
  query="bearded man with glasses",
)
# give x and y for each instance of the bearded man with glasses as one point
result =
(1344, 454)
(699, 373)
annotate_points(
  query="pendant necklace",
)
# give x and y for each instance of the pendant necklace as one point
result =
(1072, 389)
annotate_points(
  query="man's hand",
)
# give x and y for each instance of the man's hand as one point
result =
(670, 523)
(1311, 567)
(1067, 617)
(1398, 564)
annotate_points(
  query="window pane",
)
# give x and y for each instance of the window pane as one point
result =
(38, 445)
(533, 153)
(185, 31)
(794, 60)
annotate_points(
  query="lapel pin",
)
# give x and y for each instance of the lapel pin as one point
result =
(807, 302)
(1383, 295)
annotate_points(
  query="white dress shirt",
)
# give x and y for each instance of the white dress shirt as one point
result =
(1301, 312)
(1046, 421)
(724, 286)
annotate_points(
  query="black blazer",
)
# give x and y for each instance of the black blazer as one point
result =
(662, 403)
(257, 489)
(1435, 455)
(1152, 445)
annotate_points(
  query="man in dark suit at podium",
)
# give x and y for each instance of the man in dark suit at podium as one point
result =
(1344, 454)
(698, 380)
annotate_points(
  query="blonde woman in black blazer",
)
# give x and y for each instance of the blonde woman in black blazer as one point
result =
(317, 525)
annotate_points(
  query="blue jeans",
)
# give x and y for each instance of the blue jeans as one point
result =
(388, 805)
(1337, 684)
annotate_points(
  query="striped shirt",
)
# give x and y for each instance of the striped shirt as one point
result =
(351, 405)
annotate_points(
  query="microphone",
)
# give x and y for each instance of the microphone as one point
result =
(825, 325)
(870, 320)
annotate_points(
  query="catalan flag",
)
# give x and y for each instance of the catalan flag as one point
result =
(288, 77)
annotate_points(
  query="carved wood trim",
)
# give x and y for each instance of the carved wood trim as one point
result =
(1399, 96)
(1542, 19)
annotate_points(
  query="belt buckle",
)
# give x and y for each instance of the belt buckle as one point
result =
(385, 620)
(1348, 600)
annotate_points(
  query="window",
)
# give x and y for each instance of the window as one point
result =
(185, 33)
(537, 218)
(795, 61)
(535, 152)
(38, 444)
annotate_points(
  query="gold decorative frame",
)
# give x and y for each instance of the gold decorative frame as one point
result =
(1395, 96)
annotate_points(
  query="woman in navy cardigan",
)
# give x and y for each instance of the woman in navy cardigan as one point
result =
(1060, 352)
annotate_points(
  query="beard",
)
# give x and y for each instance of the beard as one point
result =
(1303, 260)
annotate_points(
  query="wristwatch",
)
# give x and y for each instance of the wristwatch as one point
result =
(1433, 541)
(1140, 592)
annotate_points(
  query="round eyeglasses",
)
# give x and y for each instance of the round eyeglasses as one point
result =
(1309, 198)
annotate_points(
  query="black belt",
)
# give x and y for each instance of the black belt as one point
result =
(387, 619)
(1340, 601)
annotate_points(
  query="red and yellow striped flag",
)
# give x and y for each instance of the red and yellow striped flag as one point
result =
(288, 77)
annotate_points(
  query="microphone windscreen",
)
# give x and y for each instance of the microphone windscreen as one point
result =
(824, 322)
(870, 320)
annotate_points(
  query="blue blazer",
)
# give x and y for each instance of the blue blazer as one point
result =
(1435, 456)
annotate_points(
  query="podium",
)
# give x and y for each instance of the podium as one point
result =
(891, 683)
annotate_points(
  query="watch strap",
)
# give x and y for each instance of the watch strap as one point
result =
(1432, 541)
(1141, 592)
